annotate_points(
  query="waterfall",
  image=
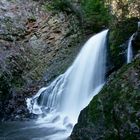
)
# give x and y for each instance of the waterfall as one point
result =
(59, 104)
(129, 50)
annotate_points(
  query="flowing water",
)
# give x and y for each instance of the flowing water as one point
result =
(59, 104)
(129, 50)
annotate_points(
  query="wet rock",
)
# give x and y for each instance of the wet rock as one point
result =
(138, 115)
(119, 116)
(33, 43)
(135, 128)
(136, 42)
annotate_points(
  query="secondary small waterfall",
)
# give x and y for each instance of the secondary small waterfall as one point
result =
(129, 50)
(59, 104)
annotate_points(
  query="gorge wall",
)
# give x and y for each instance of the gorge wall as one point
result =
(36, 45)
(38, 42)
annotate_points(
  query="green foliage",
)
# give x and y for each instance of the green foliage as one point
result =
(123, 30)
(4, 85)
(56, 5)
(59, 5)
(96, 14)
(120, 33)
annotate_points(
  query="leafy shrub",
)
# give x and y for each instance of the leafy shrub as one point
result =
(96, 14)
(57, 5)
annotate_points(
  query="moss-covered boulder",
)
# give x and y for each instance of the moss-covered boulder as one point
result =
(115, 112)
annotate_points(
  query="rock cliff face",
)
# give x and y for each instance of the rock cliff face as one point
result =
(36, 45)
(114, 113)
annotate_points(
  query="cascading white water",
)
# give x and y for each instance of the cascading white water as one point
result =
(129, 50)
(60, 103)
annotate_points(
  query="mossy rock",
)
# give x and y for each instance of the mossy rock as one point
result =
(118, 39)
(114, 112)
